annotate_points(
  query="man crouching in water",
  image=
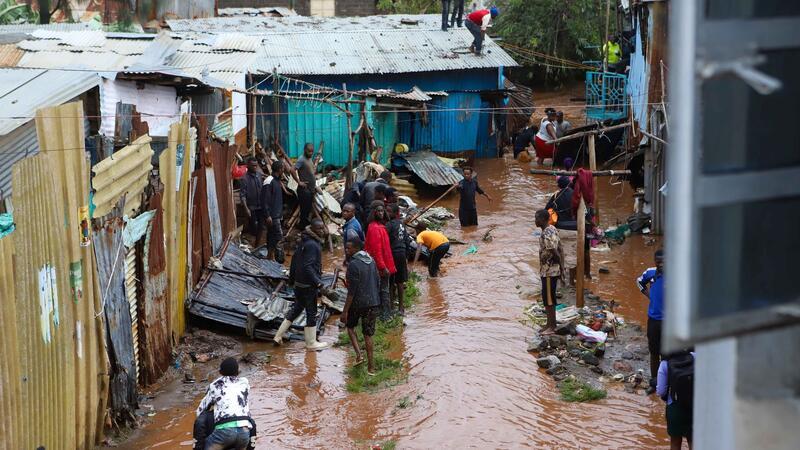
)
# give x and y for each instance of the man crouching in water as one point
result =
(228, 395)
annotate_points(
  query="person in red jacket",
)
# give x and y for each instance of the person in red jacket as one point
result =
(378, 246)
(477, 22)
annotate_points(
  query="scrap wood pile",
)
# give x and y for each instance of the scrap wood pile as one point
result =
(588, 342)
(237, 285)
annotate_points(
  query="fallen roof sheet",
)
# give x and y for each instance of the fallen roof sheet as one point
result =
(126, 172)
(415, 94)
(426, 165)
(224, 294)
(23, 91)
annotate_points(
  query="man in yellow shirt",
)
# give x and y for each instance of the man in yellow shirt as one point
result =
(613, 52)
(438, 245)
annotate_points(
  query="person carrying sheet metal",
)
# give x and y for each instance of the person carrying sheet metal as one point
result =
(477, 23)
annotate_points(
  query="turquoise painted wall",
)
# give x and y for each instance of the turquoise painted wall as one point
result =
(314, 122)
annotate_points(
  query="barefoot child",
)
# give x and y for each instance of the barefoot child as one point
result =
(550, 268)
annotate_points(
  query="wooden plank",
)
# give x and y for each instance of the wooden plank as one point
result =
(579, 278)
(593, 168)
(570, 173)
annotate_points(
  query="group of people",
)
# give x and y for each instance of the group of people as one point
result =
(671, 375)
(262, 197)
(540, 133)
(477, 22)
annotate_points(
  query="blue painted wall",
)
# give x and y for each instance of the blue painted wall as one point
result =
(454, 123)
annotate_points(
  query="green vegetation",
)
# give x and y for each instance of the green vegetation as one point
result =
(573, 390)
(404, 402)
(570, 30)
(389, 445)
(410, 6)
(13, 12)
(388, 371)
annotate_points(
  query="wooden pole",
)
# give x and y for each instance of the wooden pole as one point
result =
(586, 133)
(569, 173)
(579, 277)
(431, 205)
(593, 168)
(251, 118)
(276, 124)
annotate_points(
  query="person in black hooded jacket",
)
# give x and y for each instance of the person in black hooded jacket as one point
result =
(306, 275)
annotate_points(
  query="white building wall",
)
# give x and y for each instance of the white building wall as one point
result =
(158, 105)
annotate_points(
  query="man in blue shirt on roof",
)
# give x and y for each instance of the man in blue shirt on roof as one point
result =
(651, 283)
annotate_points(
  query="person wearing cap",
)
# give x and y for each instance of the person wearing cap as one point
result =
(228, 395)
(477, 23)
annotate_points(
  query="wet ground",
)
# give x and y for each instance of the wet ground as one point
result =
(471, 382)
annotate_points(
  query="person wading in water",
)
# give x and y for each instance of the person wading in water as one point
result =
(467, 211)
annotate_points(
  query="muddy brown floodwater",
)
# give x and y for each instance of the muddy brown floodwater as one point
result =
(471, 382)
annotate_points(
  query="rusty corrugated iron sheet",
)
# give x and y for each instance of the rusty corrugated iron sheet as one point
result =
(430, 168)
(126, 172)
(110, 256)
(154, 335)
(83, 387)
(222, 157)
(174, 169)
(201, 226)
(132, 296)
(10, 55)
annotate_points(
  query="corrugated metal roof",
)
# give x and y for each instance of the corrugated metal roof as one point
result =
(61, 26)
(269, 11)
(303, 24)
(126, 173)
(431, 169)
(415, 94)
(118, 46)
(90, 61)
(339, 53)
(86, 38)
(22, 92)
(10, 55)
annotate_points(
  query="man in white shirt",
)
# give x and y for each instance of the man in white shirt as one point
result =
(228, 394)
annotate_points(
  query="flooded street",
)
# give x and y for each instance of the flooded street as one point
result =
(471, 382)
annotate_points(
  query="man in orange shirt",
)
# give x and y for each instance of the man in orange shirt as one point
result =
(438, 245)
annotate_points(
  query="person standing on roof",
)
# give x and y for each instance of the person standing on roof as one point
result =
(477, 23)
(458, 14)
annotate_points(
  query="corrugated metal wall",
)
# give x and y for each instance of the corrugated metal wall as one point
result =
(110, 256)
(174, 168)
(125, 173)
(315, 122)
(154, 315)
(384, 124)
(15, 146)
(10, 377)
(60, 131)
(450, 131)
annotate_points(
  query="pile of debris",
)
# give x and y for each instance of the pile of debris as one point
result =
(592, 343)
(243, 291)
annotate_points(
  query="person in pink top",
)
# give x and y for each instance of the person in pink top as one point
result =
(378, 246)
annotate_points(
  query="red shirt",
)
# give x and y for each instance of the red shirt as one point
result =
(477, 16)
(377, 245)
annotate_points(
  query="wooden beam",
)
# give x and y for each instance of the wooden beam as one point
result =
(593, 168)
(569, 173)
(579, 277)
(588, 132)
